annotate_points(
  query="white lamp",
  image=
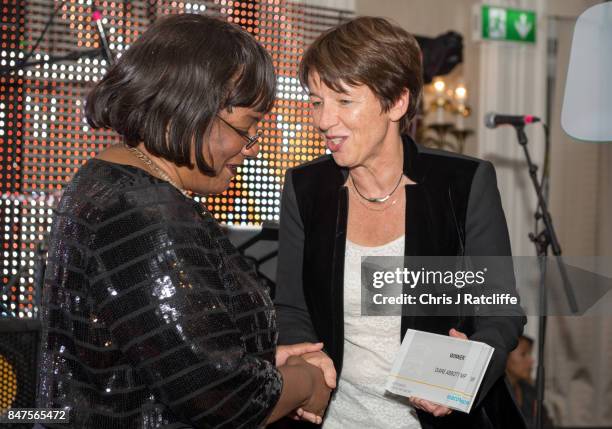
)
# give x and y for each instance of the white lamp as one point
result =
(587, 106)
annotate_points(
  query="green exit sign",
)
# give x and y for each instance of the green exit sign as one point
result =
(513, 25)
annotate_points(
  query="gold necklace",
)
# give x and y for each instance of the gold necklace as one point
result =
(155, 168)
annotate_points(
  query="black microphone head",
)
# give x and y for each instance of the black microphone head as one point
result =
(489, 120)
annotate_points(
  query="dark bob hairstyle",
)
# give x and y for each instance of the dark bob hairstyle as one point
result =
(172, 81)
(368, 51)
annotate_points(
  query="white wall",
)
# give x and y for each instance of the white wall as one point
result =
(501, 77)
(511, 78)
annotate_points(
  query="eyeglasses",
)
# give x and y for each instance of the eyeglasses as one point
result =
(250, 140)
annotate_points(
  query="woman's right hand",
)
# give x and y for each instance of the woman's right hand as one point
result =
(323, 362)
(320, 392)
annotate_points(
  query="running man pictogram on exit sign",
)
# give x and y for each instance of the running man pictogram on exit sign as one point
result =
(511, 25)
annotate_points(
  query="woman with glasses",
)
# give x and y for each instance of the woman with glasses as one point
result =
(151, 317)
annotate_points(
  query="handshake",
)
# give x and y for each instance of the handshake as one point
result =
(309, 376)
(310, 360)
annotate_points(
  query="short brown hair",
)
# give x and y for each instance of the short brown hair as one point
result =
(368, 51)
(173, 80)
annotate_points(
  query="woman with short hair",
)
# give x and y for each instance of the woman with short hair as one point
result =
(380, 194)
(151, 318)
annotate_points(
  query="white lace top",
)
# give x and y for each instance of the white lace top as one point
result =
(370, 346)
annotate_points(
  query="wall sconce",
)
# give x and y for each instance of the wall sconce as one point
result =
(449, 110)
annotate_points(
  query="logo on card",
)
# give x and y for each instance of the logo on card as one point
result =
(457, 399)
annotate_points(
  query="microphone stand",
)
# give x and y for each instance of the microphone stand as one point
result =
(104, 49)
(544, 240)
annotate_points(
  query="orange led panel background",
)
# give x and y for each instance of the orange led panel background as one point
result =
(44, 138)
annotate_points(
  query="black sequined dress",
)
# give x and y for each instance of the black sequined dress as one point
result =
(151, 318)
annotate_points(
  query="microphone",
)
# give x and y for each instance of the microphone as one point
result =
(106, 52)
(493, 120)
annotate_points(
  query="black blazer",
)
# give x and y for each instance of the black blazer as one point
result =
(453, 209)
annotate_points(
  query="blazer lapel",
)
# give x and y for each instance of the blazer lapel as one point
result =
(429, 228)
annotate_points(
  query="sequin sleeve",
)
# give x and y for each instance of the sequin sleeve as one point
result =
(182, 313)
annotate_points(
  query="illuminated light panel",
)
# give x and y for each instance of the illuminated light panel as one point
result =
(44, 138)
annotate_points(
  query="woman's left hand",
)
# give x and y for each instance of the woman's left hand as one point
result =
(431, 407)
